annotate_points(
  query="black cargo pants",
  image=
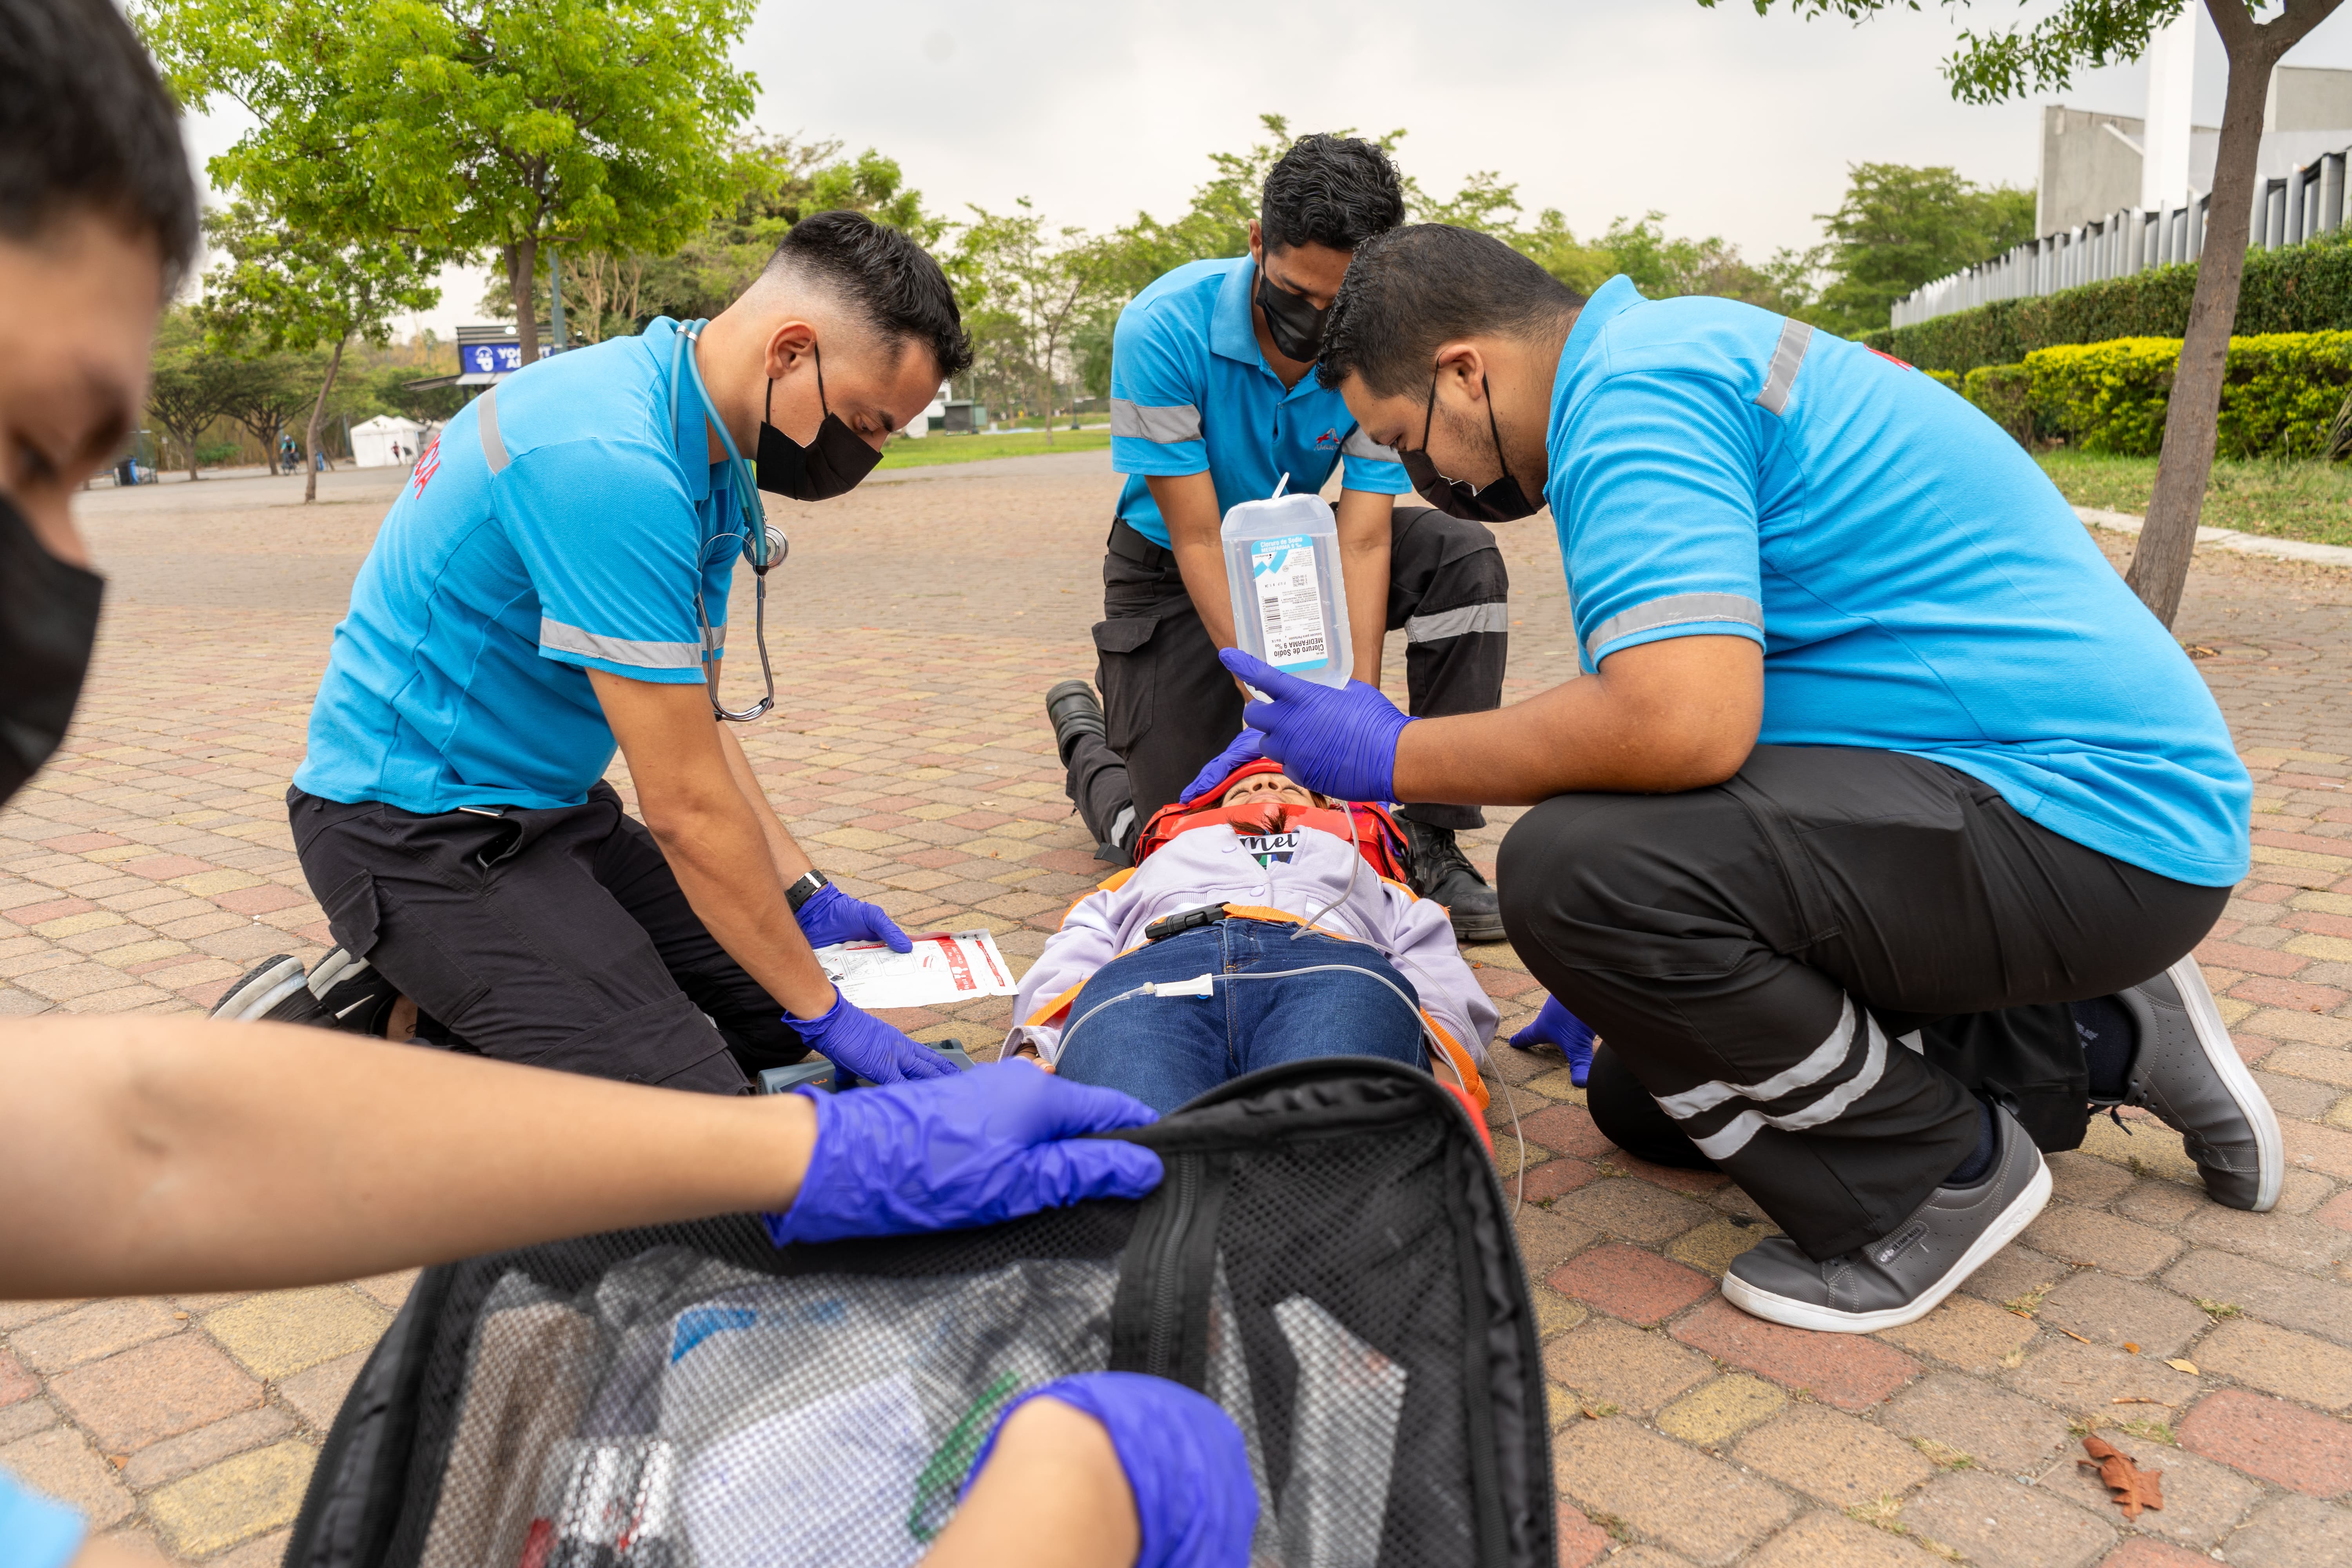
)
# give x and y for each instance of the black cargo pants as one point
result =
(1762, 955)
(1170, 706)
(555, 938)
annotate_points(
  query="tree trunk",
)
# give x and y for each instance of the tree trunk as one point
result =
(522, 267)
(2159, 567)
(319, 413)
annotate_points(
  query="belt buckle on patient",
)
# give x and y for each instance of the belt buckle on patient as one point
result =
(1183, 920)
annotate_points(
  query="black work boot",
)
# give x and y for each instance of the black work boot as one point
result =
(1075, 710)
(1442, 874)
(1904, 1273)
(343, 992)
(2185, 1068)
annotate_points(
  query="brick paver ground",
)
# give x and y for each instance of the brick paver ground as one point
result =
(915, 627)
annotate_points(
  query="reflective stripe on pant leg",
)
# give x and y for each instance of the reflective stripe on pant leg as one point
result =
(1740, 1116)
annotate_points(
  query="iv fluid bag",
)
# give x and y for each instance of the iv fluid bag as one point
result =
(1290, 606)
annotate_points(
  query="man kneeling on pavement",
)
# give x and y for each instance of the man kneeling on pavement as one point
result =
(1872, 740)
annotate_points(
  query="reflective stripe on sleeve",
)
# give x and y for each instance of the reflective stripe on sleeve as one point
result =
(1489, 617)
(1177, 422)
(494, 446)
(1359, 444)
(555, 635)
(1787, 355)
(1673, 610)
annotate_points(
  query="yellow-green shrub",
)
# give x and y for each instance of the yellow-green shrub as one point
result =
(2004, 393)
(2277, 397)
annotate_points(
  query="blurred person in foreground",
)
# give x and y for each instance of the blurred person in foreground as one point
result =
(154, 1154)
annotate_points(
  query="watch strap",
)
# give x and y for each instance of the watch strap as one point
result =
(806, 887)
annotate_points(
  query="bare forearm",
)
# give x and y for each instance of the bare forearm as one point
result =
(1188, 508)
(1666, 716)
(1364, 535)
(162, 1154)
(725, 866)
(1053, 1496)
(792, 862)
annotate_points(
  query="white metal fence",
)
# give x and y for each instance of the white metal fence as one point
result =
(2288, 208)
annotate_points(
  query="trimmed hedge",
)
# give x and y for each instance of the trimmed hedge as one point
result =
(2280, 391)
(2303, 287)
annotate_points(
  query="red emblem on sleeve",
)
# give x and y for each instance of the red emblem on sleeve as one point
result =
(428, 464)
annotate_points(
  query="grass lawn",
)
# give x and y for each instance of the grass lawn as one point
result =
(2286, 500)
(938, 448)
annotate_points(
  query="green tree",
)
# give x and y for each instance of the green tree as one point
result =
(286, 289)
(775, 182)
(192, 385)
(1899, 228)
(264, 392)
(472, 125)
(2043, 56)
(1029, 289)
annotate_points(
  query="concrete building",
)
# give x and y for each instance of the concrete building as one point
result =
(2094, 163)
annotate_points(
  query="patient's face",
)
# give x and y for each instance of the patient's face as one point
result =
(1278, 787)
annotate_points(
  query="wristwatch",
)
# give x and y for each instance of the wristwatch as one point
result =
(802, 891)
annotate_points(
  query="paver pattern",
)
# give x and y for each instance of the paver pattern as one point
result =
(915, 627)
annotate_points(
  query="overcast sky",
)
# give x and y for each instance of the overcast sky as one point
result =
(1730, 123)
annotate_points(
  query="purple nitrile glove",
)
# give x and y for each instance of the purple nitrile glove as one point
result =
(1247, 747)
(1554, 1025)
(830, 915)
(1340, 741)
(991, 1144)
(852, 1039)
(1184, 1461)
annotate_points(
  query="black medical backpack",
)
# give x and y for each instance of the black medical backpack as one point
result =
(1330, 1257)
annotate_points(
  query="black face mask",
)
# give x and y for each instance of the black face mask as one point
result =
(827, 467)
(48, 622)
(1295, 326)
(1501, 501)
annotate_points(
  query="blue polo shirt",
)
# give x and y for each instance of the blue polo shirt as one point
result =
(1190, 390)
(34, 1532)
(1917, 584)
(560, 524)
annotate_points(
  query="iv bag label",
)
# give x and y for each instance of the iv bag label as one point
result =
(1289, 603)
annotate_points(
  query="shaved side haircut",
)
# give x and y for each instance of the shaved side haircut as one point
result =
(1411, 290)
(881, 277)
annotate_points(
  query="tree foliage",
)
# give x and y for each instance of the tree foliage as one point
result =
(1899, 228)
(481, 125)
(286, 287)
(1025, 288)
(190, 385)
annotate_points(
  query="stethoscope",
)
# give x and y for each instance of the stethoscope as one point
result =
(764, 545)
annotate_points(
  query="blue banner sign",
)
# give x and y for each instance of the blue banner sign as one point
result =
(493, 359)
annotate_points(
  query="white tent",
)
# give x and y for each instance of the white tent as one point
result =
(384, 441)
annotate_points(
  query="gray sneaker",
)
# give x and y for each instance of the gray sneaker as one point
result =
(1905, 1274)
(2185, 1069)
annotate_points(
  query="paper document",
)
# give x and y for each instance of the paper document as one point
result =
(946, 966)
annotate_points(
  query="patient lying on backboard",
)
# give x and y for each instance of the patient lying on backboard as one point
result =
(1286, 914)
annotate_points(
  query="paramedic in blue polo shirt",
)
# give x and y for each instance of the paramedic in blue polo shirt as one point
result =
(1872, 741)
(1212, 404)
(552, 583)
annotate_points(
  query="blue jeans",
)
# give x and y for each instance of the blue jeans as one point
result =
(1166, 1050)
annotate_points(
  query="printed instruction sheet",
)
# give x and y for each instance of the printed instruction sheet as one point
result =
(945, 966)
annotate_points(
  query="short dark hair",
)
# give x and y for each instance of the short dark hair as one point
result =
(86, 125)
(884, 276)
(1412, 289)
(1338, 191)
